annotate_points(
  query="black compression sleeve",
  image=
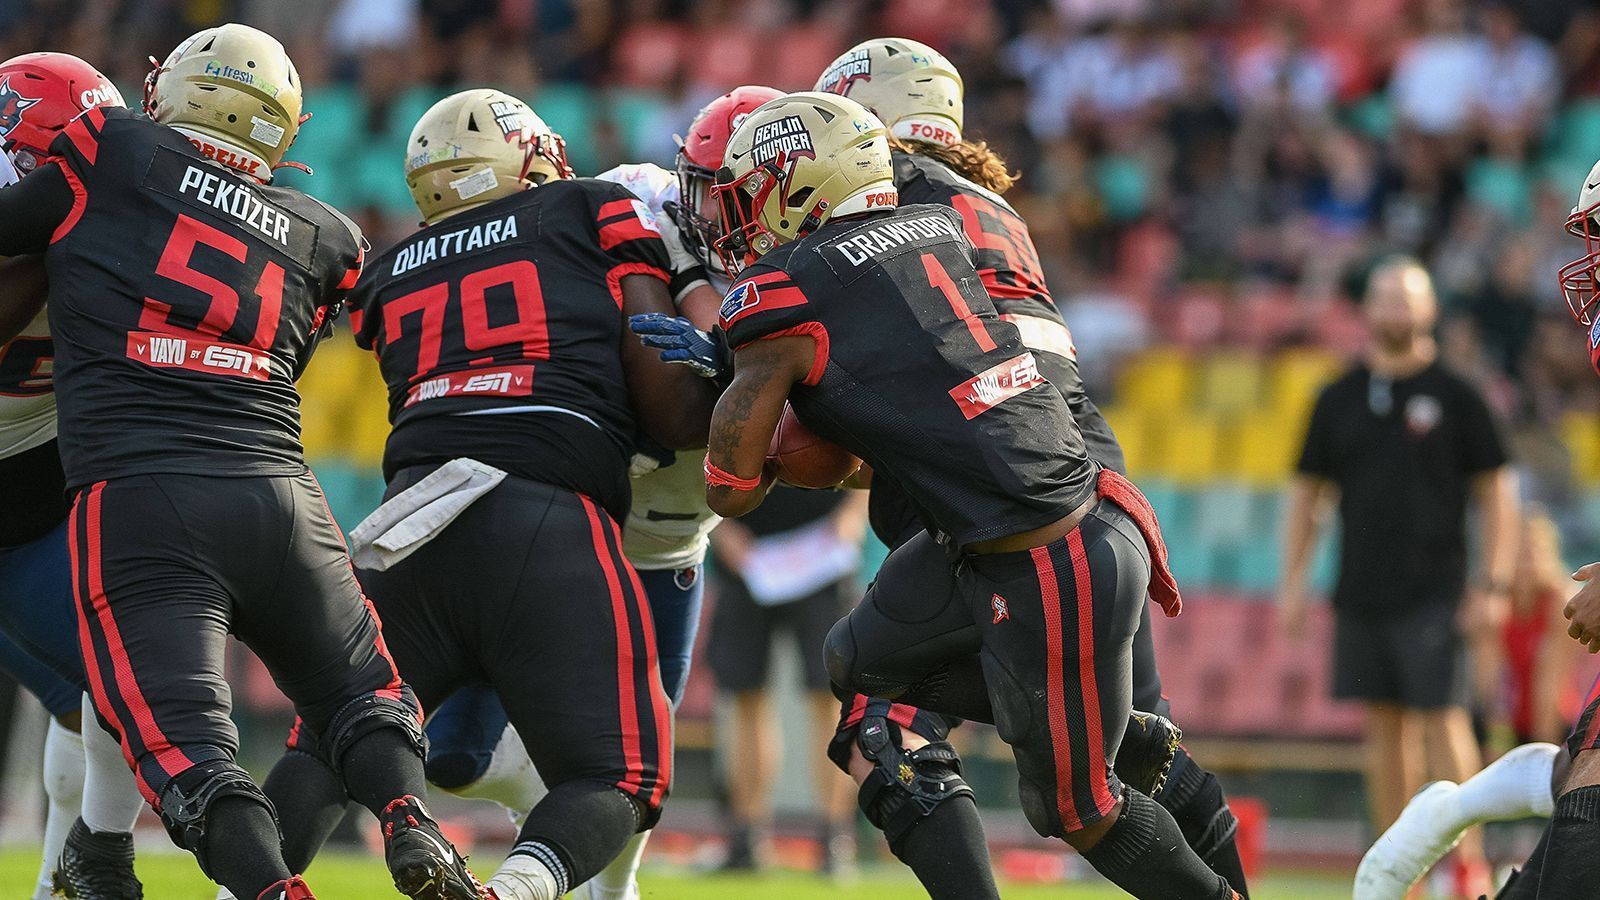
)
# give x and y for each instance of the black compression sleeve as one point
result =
(32, 209)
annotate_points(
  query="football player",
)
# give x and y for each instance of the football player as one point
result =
(1038, 561)
(919, 96)
(186, 293)
(473, 751)
(84, 774)
(499, 328)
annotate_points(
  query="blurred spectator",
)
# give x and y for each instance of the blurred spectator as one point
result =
(1283, 73)
(1436, 82)
(1517, 79)
(1538, 699)
(1402, 445)
(789, 567)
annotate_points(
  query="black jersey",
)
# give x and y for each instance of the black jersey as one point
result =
(1008, 263)
(916, 373)
(184, 302)
(499, 331)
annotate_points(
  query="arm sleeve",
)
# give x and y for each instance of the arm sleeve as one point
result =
(32, 209)
(1483, 445)
(627, 231)
(1317, 453)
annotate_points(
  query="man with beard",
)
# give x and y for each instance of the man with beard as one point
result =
(1403, 445)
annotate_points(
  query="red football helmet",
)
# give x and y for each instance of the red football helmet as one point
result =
(1578, 278)
(39, 94)
(699, 158)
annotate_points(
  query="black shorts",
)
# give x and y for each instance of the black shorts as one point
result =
(742, 633)
(1416, 659)
(1052, 629)
(527, 591)
(166, 566)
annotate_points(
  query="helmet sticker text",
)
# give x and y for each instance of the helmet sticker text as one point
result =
(846, 70)
(786, 137)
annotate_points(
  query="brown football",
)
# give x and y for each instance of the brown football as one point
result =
(801, 458)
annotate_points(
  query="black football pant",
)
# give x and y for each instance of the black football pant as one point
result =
(528, 592)
(165, 567)
(1047, 633)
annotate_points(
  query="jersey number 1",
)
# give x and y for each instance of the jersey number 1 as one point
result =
(939, 278)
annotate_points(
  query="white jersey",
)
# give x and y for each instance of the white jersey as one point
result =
(27, 419)
(669, 524)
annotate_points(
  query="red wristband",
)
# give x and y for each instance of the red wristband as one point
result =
(720, 478)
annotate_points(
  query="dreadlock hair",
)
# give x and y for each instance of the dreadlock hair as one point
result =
(972, 160)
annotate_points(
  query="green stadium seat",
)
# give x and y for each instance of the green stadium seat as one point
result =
(569, 109)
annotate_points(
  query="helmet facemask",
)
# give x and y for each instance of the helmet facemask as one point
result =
(696, 213)
(1577, 278)
(743, 238)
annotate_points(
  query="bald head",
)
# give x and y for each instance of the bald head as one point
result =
(1400, 305)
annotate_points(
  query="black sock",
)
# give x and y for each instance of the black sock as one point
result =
(579, 826)
(311, 800)
(1195, 799)
(1572, 864)
(947, 851)
(1144, 854)
(241, 847)
(382, 766)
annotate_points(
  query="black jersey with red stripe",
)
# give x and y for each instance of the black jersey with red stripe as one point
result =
(499, 332)
(1008, 263)
(184, 302)
(916, 373)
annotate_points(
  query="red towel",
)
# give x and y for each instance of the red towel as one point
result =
(1122, 492)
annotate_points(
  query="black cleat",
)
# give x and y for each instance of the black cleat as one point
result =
(425, 865)
(96, 866)
(1149, 748)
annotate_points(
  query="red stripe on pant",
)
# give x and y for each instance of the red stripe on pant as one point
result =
(633, 781)
(169, 758)
(1055, 683)
(1094, 732)
(661, 709)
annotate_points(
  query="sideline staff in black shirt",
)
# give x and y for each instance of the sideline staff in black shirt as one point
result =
(1402, 444)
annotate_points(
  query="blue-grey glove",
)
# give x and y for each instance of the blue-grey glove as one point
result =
(680, 342)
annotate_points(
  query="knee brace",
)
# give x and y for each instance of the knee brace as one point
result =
(186, 803)
(1195, 799)
(368, 713)
(904, 787)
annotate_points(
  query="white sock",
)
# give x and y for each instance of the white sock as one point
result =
(510, 780)
(63, 785)
(111, 800)
(531, 872)
(620, 879)
(1515, 786)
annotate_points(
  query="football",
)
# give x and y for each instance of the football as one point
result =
(800, 458)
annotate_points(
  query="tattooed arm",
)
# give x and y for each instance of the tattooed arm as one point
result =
(748, 414)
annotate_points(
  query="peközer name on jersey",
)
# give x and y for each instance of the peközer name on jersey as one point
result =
(865, 245)
(426, 249)
(235, 199)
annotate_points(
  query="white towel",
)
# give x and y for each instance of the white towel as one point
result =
(417, 514)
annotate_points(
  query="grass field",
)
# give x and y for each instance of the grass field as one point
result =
(174, 877)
